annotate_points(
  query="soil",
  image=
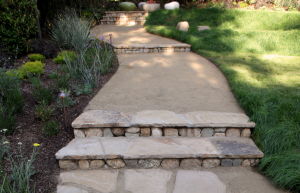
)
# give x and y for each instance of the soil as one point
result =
(28, 129)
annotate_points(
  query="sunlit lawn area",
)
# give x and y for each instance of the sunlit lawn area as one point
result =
(259, 53)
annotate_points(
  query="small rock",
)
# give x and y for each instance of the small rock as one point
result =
(197, 132)
(116, 163)
(132, 134)
(226, 162)
(207, 132)
(200, 28)
(220, 129)
(219, 135)
(183, 26)
(170, 132)
(149, 163)
(94, 132)
(146, 50)
(246, 163)
(156, 132)
(186, 132)
(96, 164)
(131, 163)
(145, 132)
(84, 164)
(170, 163)
(67, 164)
(118, 131)
(237, 162)
(191, 162)
(211, 163)
(133, 130)
(107, 133)
(246, 132)
(233, 132)
(253, 162)
(79, 133)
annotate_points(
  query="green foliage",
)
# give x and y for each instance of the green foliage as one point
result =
(41, 94)
(243, 4)
(283, 3)
(32, 69)
(51, 128)
(4, 147)
(261, 62)
(84, 89)
(53, 74)
(13, 72)
(37, 57)
(64, 55)
(18, 24)
(63, 81)
(11, 100)
(22, 169)
(69, 102)
(43, 111)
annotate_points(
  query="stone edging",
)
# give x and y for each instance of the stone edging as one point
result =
(154, 163)
(150, 48)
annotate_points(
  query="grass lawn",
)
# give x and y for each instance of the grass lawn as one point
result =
(259, 52)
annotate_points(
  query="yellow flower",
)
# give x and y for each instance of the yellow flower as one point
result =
(36, 144)
(5, 142)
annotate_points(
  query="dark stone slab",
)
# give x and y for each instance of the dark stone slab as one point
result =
(236, 147)
(97, 118)
(237, 162)
(226, 162)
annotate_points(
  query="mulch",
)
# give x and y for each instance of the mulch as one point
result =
(29, 130)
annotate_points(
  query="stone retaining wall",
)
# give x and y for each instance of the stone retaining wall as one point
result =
(125, 17)
(154, 163)
(159, 132)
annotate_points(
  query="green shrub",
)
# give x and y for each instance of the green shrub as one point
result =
(32, 69)
(53, 74)
(51, 128)
(243, 5)
(283, 3)
(37, 57)
(84, 89)
(18, 24)
(63, 56)
(63, 81)
(13, 72)
(43, 111)
(43, 94)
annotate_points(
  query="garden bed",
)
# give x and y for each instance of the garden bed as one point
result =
(28, 128)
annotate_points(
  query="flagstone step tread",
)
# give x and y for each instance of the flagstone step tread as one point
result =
(152, 46)
(161, 148)
(160, 118)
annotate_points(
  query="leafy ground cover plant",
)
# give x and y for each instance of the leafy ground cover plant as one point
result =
(51, 128)
(82, 89)
(262, 70)
(62, 81)
(32, 69)
(43, 111)
(60, 59)
(22, 170)
(37, 57)
(41, 93)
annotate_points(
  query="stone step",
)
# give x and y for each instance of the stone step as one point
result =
(126, 22)
(124, 17)
(93, 152)
(150, 48)
(158, 123)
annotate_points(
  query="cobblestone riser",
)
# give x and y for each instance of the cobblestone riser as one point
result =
(159, 132)
(154, 163)
(141, 50)
(125, 18)
(133, 22)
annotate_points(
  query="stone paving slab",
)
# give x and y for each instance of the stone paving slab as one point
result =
(151, 147)
(201, 146)
(161, 118)
(98, 118)
(152, 45)
(188, 181)
(157, 148)
(218, 119)
(236, 147)
(147, 181)
(69, 189)
(104, 181)
(82, 148)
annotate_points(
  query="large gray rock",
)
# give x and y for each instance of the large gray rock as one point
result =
(183, 26)
(172, 5)
(170, 163)
(116, 163)
(131, 163)
(226, 162)
(188, 181)
(149, 163)
(147, 181)
(201, 28)
(207, 132)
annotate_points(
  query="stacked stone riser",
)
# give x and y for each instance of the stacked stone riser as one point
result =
(155, 163)
(142, 50)
(162, 132)
(124, 17)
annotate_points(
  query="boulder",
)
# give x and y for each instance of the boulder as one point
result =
(201, 28)
(183, 26)
(172, 5)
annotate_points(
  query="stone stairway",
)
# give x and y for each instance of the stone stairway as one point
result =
(149, 139)
(124, 17)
